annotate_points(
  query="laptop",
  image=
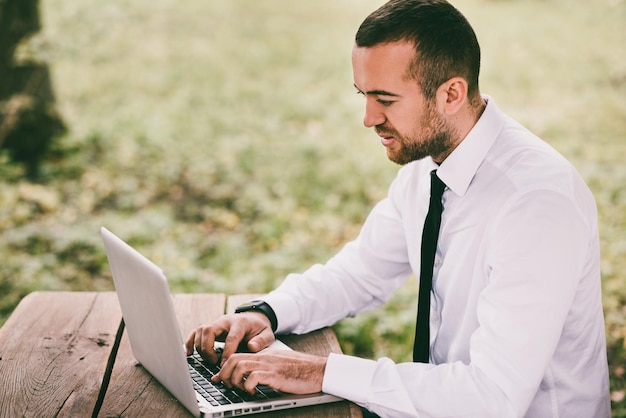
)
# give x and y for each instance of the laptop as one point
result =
(155, 340)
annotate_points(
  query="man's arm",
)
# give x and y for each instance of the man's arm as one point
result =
(362, 276)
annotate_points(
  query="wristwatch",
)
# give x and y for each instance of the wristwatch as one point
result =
(259, 306)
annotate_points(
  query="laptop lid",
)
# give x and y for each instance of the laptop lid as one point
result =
(150, 319)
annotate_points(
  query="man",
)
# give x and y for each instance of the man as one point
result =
(516, 324)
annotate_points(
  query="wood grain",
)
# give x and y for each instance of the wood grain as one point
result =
(53, 352)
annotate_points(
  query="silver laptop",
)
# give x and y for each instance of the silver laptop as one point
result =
(156, 342)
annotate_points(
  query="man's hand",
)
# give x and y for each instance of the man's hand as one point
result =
(252, 328)
(284, 370)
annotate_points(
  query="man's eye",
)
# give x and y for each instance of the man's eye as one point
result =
(385, 102)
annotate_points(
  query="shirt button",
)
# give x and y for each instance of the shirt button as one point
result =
(438, 262)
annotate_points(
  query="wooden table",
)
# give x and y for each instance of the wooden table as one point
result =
(55, 346)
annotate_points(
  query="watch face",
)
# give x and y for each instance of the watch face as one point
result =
(251, 304)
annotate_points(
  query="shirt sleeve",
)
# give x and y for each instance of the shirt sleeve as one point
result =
(409, 390)
(362, 276)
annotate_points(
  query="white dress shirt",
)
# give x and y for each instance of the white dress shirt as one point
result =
(516, 322)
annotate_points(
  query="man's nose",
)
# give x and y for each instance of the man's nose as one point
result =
(373, 114)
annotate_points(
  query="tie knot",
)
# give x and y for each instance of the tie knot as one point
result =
(436, 186)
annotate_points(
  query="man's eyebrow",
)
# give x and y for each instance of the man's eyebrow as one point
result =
(377, 92)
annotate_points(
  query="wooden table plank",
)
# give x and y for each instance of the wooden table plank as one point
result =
(53, 353)
(133, 392)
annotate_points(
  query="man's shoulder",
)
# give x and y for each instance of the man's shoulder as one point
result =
(523, 157)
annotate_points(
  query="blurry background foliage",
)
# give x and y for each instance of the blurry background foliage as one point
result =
(223, 139)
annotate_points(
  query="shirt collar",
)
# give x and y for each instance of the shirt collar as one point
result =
(459, 168)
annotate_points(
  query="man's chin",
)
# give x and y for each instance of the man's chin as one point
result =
(403, 158)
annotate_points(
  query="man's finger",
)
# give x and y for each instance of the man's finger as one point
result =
(206, 345)
(189, 344)
(261, 341)
(242, 371)
(229, 374)
(231, 343)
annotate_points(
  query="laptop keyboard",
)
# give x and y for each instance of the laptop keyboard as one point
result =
(217, 393)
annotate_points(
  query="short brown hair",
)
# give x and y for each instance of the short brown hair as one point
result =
(445, 43)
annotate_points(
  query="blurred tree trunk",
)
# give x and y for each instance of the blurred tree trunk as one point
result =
(29, 121)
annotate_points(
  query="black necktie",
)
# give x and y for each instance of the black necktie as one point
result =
(421, 348)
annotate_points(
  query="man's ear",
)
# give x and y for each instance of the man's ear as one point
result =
(451, 95)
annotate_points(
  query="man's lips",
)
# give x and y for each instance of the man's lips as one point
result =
(386, 139)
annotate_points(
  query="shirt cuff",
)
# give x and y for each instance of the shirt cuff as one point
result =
(348, 377)
(286, 310)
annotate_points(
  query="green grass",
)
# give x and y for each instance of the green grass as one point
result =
(224, 141)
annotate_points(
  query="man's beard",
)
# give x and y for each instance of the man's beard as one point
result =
(435, 138)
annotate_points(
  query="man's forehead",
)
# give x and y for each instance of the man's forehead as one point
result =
(382, 68)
